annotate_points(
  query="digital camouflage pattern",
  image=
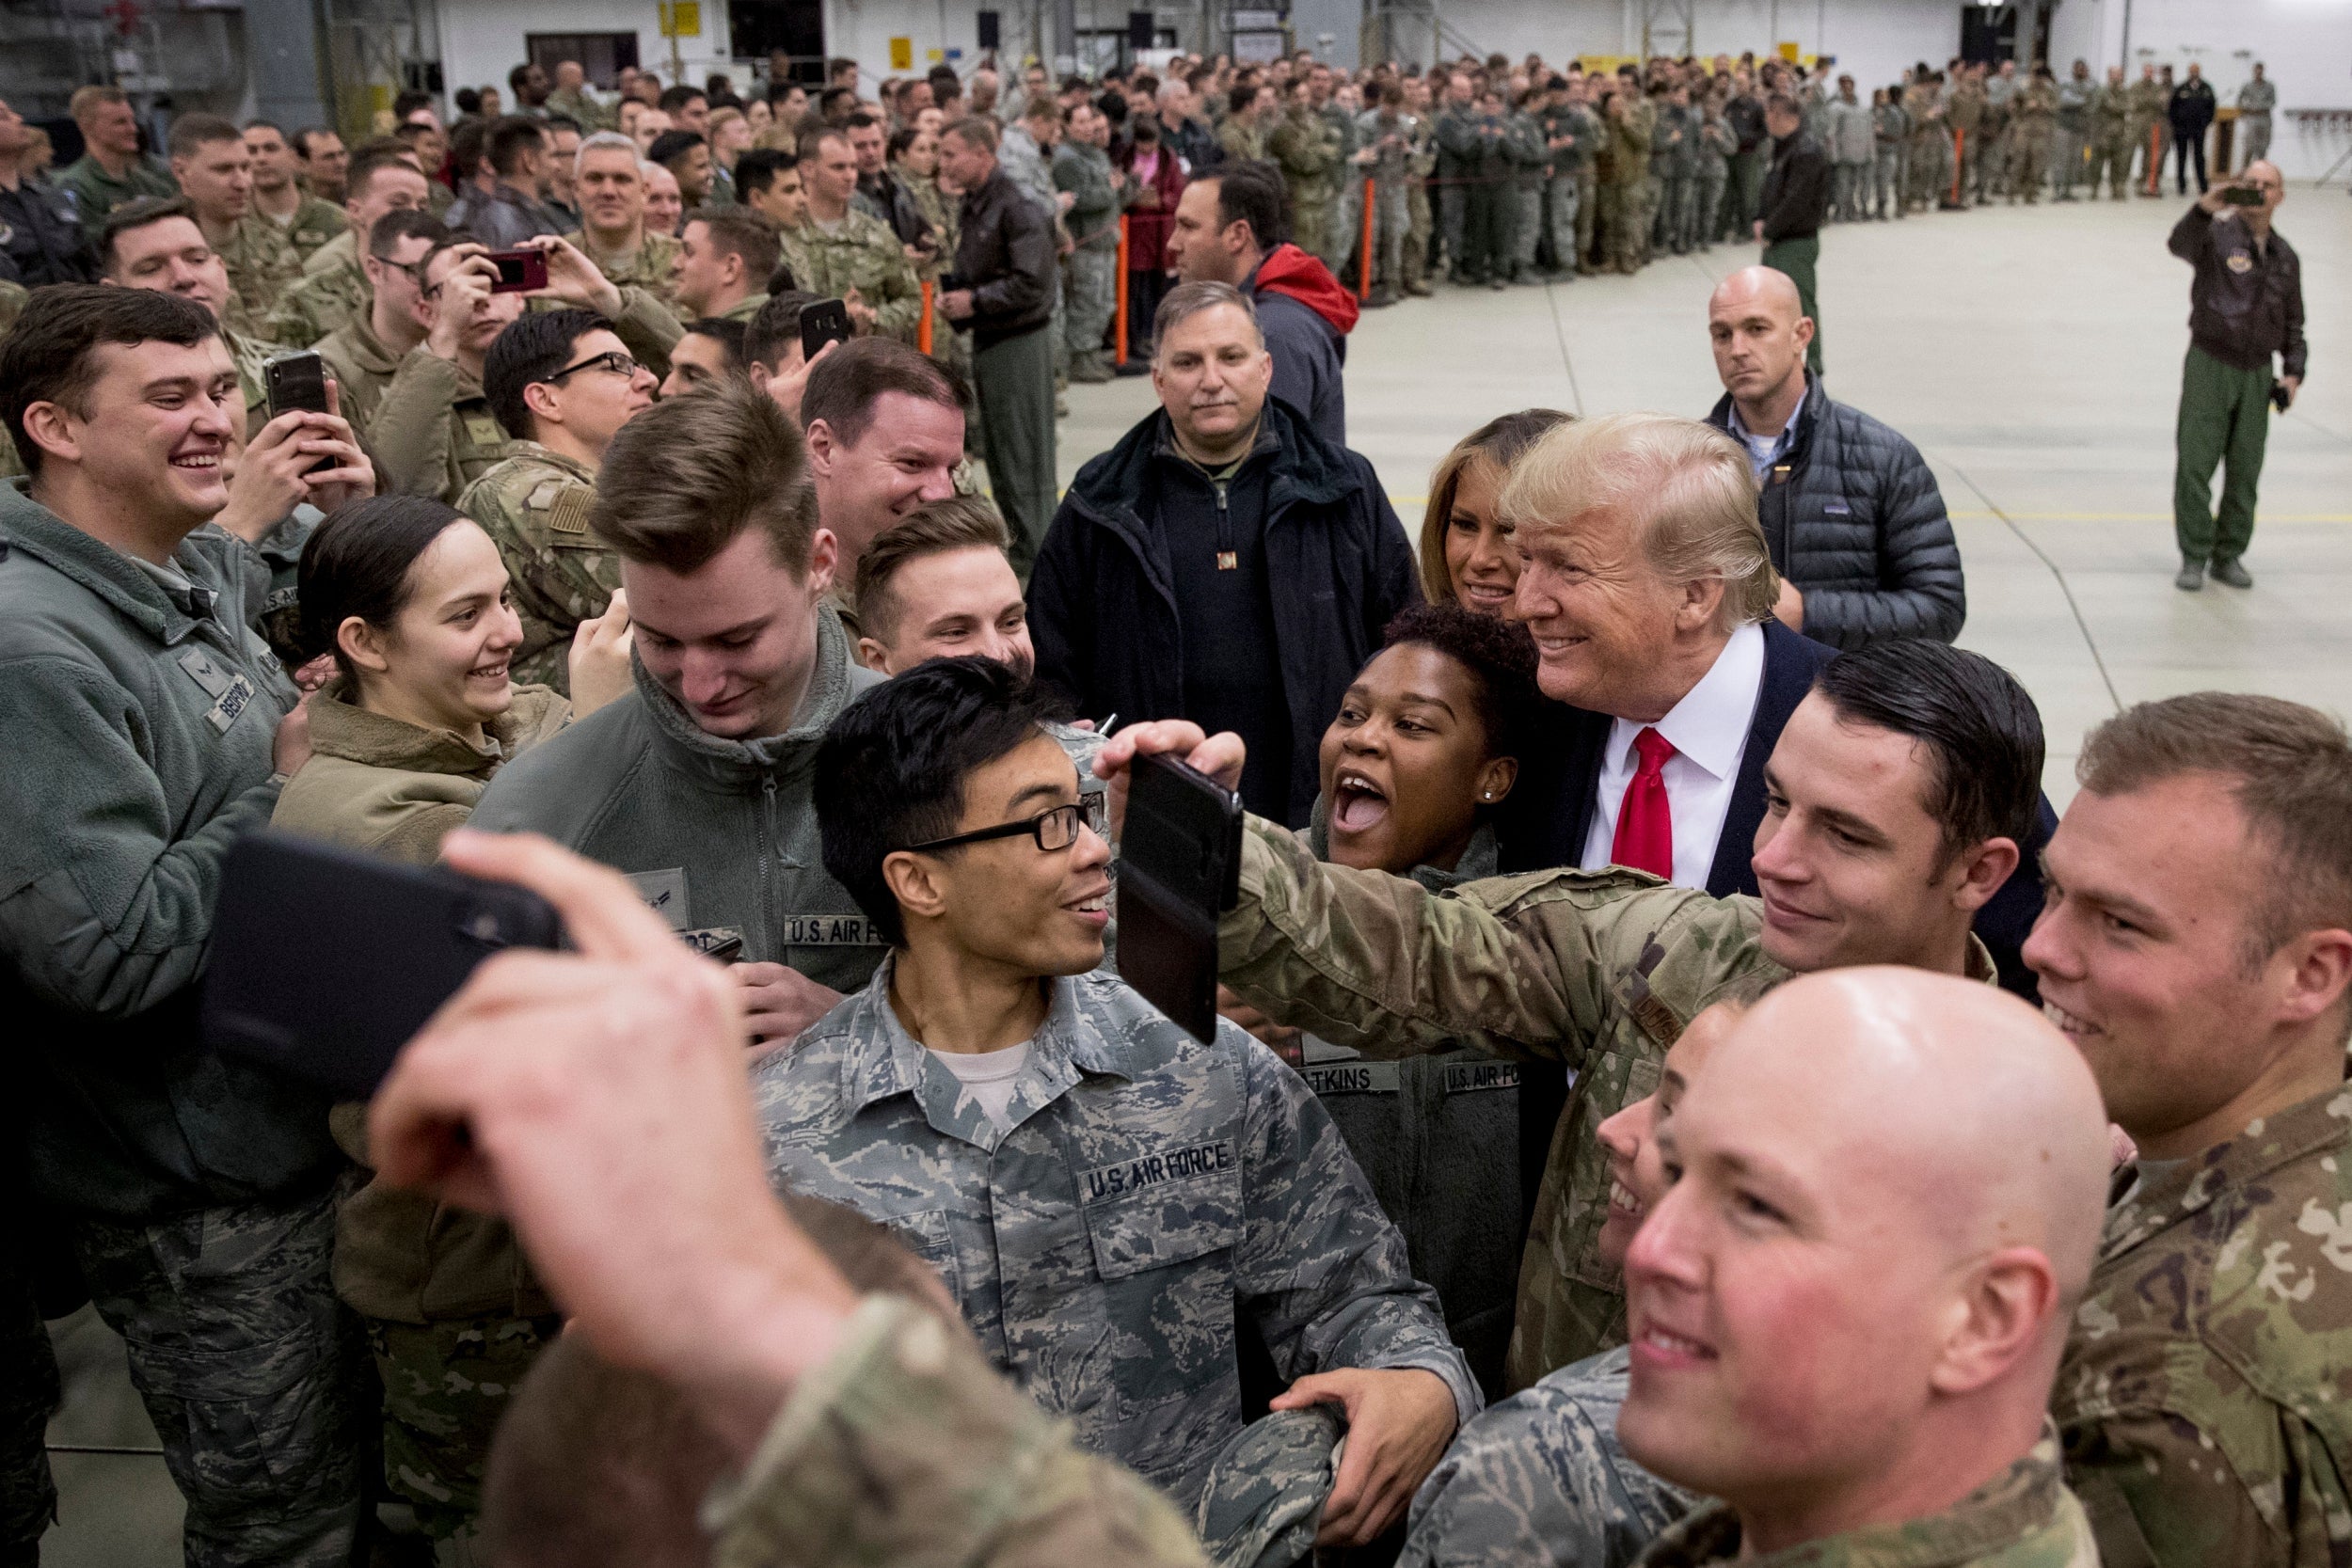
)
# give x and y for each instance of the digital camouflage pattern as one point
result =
(534, 505)
(325, 299)
(1596, 969)
(273, 574)
(262, 265)
(2206, 1394)
(254, 1374)
(650, 266)
(863, 254)
(577, 104)
(432, 432)
(1541, 1478)
(907, 1449)
(1147, 1188)
(445, 1386)
(1264, 1493)
(2025, 1518)
(1311, 150)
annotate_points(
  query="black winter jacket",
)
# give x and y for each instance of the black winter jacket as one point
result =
(1103, 609)
(1854, 519)
(1005, 255)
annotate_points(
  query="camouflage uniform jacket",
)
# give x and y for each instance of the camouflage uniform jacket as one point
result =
(262, 265)
(863, 254)
(535, 505)
(323, 300)
(273, 578)
(648, 267)
(906, 1447)
(591, 115)
(2204, 1393)
(1541, 1478)
(96, 193)
(1240, 139)
(1085, 172)
(1629, 138)
(313, 224)
(1310, 150)
(2023, 1518)
(719, 835)
(2037, 105)
(2111, 114)
(1596, 969)
(432, 432)
(745, 309)
(1147, 1187)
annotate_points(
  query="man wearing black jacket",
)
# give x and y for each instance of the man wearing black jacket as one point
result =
(1002, 291)
(1851, 516)
(1155, 593)
(1796, 199)
(2190, 111)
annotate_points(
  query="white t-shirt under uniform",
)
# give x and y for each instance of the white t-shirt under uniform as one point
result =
(987, 1076)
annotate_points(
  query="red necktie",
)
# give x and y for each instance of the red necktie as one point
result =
(1645, 828)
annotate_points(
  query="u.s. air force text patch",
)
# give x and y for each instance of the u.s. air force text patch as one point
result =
(1151, 1170)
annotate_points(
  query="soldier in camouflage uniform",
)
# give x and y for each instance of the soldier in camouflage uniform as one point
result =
(2000, 104)
(1531, 170)
(1387, 136)
(1312, 151)
(1625, 179)
(1420, 166)
(1568, 134)
(1718, 142)
(2203, 1398)
(1083, 170)
(1105, 1202)
(534, 504)
(2151, 131)
(1965, 112)
(838, 252)
(446, 1384)
(323, 299)
(649, 263)
(2033, 129)
(1345, 229)
(1541, 1478)
(2111, 135)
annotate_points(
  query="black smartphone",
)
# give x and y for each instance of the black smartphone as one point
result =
(2241, 196)
(827, 320)
(295, 381)
(1178, 868)
(519, 271)
(325, 961)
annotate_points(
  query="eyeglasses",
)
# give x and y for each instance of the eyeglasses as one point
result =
(615, 362)
(1054, 831)
(416, 274)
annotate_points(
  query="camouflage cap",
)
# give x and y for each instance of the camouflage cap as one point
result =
(1266, 1490)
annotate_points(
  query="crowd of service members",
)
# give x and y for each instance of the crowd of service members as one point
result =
(1620, 1147)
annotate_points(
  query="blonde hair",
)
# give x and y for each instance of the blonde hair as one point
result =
(1498, 444)
(1686, 487)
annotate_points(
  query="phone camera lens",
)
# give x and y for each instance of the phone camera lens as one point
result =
(483, 923)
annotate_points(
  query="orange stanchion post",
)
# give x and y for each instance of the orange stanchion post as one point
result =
(1118, 317)
(923, 328)
(2156, 170)
(1363, 273)
(1959, 156)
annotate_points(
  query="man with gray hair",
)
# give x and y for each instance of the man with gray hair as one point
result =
(1155, 594)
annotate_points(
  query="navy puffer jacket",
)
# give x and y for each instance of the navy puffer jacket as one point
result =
(1854, 519)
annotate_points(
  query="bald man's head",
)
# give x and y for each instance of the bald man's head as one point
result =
(1888, 1189)
(1759, 330)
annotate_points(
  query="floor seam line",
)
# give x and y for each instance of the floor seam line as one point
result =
(2081, 624)
(1559, 336)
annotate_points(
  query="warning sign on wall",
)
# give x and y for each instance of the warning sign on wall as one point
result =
(902, 54)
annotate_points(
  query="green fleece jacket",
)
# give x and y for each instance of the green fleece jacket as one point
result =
(719, 835)
(395, 789)
(140, 719)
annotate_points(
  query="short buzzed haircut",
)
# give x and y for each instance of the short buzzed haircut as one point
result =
(512, 139)
(671, 147)
(50, 355)
(1251, 191)
(685, 478)
(676, 98)
(407, 223)
(1186, 300)
(2288, 765)
(935, 528)
(138, 215)
(973, 130)
(369, 157)
(740, 231)
(758, 170)
(87, 101)
(842, 391)
(775, 327)
(190, 131)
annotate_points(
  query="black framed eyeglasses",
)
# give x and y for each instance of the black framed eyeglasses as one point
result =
(619, 363)
(1054, 831)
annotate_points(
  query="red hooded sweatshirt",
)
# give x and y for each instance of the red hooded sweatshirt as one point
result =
(1288, 270)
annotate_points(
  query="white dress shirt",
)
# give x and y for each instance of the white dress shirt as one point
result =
(1708, 730)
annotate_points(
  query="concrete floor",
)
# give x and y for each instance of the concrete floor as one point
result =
(2032, 354)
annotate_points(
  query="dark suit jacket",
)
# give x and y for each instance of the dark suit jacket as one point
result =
(1545, 821)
